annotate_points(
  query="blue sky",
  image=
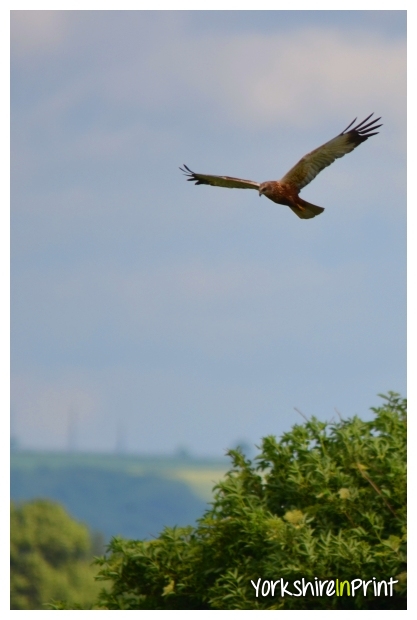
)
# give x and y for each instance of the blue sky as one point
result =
(182, 316)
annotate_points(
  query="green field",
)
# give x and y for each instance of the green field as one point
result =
(200, 475)
(135, 497)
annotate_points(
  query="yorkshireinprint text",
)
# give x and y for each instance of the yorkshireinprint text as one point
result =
(326, 587)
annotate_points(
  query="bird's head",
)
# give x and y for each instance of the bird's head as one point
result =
(264, 187)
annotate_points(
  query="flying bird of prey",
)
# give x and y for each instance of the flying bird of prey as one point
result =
(286, 191)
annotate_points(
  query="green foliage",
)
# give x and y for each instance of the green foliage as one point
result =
(326, 501)
(50, 557)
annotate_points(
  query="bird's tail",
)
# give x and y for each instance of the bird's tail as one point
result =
(305, 209)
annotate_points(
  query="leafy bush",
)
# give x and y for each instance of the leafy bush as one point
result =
(50, 557)
(327, 501)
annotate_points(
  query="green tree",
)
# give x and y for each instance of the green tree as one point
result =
(50, 557)
(326, 501)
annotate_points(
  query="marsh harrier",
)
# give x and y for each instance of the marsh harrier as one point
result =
(286, 191)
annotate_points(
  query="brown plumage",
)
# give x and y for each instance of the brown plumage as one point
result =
(286, 191)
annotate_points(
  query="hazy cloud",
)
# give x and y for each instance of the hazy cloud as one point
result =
(37, 33)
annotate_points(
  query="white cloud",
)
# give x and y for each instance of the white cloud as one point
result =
(209, 308)
(44, 407)
(253, 80)
(37, 32)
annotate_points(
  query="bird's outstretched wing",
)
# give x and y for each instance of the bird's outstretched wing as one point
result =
(311, 164)
(210, 179)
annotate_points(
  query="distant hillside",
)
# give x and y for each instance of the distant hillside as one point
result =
(133, 497)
